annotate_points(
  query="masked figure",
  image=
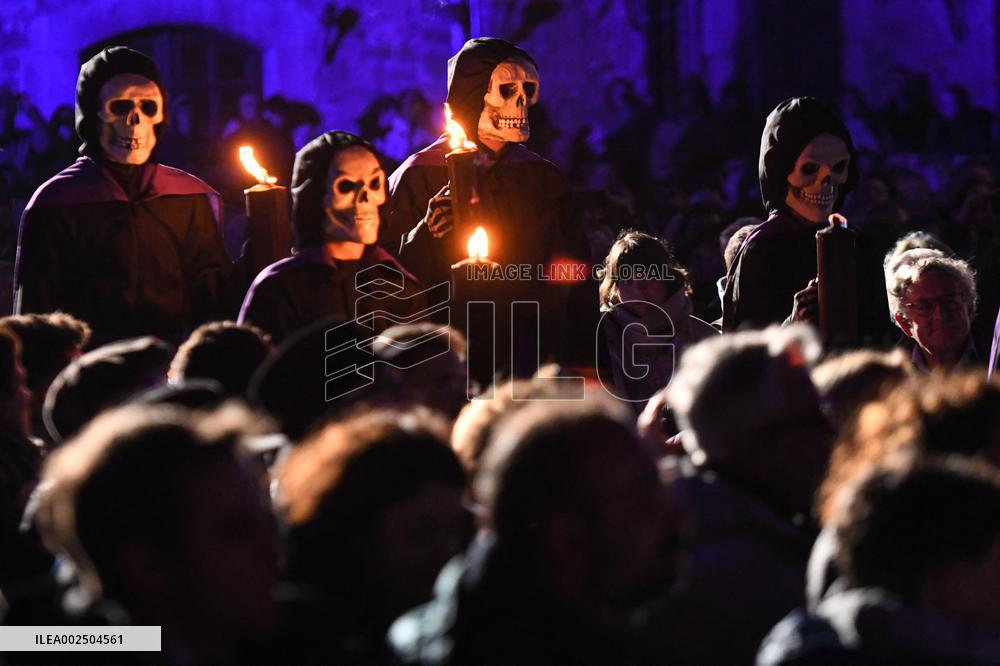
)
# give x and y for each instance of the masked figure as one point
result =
(523, 197)
(128, 245)
(491, 86)
(338, 189)
(807, 168)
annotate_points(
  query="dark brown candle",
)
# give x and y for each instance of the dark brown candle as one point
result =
(836, 271)
(268, 228)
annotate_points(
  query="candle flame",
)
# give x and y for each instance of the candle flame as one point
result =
(457, 139)
(479, 244)
(838, 219)
(251, 164)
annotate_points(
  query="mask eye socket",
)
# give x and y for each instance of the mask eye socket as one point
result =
(840, 167)
(345, 186)
(375, 184)
(810, 169)
(530, 89)
(120, 107)
(508, 90)
(148, 107)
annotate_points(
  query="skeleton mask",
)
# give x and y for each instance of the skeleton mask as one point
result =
(355, 190)
(819, 172)
(131, 107)
(513, 90)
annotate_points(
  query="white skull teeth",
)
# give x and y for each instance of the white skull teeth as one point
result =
(133, 143)
(818, 199)
(510, 123)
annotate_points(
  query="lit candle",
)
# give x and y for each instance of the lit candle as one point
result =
(461, 163)
(479, 302)
(268, 228)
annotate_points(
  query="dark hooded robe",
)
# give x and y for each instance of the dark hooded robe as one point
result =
(778, 258)
(524, 196)
(310, 285)
(131, 249)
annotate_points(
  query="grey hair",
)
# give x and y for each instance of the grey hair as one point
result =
(910, 266)
(728, 384)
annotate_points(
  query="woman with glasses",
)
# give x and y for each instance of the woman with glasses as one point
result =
(932, 298)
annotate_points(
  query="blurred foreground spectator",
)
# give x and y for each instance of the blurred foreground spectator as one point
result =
(573, 549)
(922, 573)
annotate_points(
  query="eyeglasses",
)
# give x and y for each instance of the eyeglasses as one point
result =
(925, 307)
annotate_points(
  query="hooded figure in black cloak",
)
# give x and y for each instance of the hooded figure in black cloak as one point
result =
(807, 167)
(523, 197)
(130, 246)
(338, 189)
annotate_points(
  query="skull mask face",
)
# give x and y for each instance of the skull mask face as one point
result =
(819, 172)
(355, 190)
(513, 90)
(131, 107)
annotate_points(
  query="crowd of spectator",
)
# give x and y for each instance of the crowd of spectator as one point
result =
(758, 498)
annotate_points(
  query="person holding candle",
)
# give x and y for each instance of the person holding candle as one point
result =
(338, 189)
(520, 199)
(128, 245)
(807, 167)
(523, 197)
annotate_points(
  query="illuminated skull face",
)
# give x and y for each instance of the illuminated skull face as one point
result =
(131, 108)
(513, 90)
(355, 190)
(819, 172)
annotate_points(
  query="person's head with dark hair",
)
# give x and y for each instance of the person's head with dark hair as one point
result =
(157, 512)
(735, 242)
(49, 342)
(338, 188)
(120, 106)
(15, 396)
(942, 414)
(223, 351)
(848, 381)
(102, 378)
(807, 160)
(640, 268)
(427, 362)
(572, 495)
(928, 532)
(61, 123)
(478, 420)
(374, 510)
(749, 407)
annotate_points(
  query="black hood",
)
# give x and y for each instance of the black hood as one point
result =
(469, 73)
(788, 130)
(312, 165)
(93, 75)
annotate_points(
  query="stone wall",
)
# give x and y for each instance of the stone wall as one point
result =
(952, 41)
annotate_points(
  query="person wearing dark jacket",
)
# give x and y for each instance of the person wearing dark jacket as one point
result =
(807, 167)
(758, 444)
(920, 573)
(573, 554)
(338, 189)
(128, 245)
(526, 195)
(523, 198)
